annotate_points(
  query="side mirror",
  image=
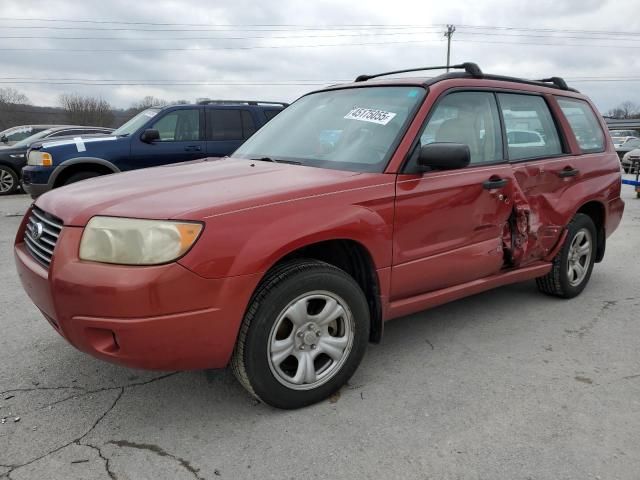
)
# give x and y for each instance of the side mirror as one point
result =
(150, 135)
(4, 139)
(444, 156)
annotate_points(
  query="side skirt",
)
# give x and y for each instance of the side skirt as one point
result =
(425, 301)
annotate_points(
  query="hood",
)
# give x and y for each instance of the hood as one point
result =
(64, 147)
(195, 190)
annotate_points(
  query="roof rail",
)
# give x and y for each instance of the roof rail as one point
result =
(242, 102)
(469, 67)
(557, 81)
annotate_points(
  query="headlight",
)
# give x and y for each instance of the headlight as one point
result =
(130, 241)
(38, 158)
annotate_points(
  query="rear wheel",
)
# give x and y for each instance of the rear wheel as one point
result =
(76, 177)
(8, 180)
(573, 265)
(303, 336)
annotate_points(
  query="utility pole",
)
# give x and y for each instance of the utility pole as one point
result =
(448, 34)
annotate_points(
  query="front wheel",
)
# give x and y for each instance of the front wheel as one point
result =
(8, 180)
(573, 265)
(303, 336)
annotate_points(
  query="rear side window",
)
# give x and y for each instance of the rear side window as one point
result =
(229, 124)
(584, 124)
(470, 118)
(531, 131)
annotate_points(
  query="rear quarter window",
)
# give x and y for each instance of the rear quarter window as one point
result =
(584, 124)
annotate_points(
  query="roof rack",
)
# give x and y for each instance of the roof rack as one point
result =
(557, 81)
(469, 67)
(243, 102)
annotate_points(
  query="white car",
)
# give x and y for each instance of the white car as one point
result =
(629, 159)
(620, 137)
(525, 138)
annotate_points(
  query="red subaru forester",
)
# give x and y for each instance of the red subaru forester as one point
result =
(357, 204)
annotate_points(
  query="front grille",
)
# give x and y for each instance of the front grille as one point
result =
(41, 235)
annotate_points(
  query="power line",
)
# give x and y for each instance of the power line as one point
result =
(117, 22)
(219, 29)
(254, 47)
(376, 34)
(551, 30)
(550, 37)
(99, 84)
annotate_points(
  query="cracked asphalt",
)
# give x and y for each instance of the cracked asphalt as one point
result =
(508, 384)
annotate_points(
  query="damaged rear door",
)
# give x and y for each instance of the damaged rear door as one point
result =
(537, 153)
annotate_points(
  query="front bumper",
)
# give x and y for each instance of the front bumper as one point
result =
(161, 317)
(35, 180)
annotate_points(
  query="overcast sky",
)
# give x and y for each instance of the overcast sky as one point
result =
(289, 51)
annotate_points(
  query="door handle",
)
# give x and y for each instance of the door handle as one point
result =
(192, 148)
(568, 172)
(495, 182)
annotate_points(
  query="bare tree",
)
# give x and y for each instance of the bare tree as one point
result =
(86, 110)
(626, 109)
(11, 95)
(148, 102)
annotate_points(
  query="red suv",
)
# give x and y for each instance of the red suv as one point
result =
(357, 204)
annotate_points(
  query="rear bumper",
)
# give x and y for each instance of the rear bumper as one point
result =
(163, 317)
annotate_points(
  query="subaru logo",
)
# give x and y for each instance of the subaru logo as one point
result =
(37, 230)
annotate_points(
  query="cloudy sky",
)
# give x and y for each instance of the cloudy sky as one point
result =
(279, 49)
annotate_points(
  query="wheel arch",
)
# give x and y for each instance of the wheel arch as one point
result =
(597, 212)
(83, 164)
(355, 259)
(17, 171)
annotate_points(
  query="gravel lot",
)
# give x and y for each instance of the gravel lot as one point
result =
(508, 384)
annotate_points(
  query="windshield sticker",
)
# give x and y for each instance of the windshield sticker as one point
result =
(370, 115)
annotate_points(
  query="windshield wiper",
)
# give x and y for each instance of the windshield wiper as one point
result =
(277, 160)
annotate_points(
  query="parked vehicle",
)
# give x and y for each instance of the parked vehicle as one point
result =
(630, 144)
(13, 158)
(525, 138)
(157, 136)
(15, 134)
(620, 137)
(623, 134)
(286, 259)
(629, 159)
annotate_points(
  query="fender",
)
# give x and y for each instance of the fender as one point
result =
(74, 161)
(264, 235)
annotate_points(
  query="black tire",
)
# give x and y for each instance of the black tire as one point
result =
(251, 361)
(557, 281)
(76, 177)
(9, 182)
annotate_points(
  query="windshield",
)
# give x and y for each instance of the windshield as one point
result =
(136, 122)
(29, 140)
(352, 129)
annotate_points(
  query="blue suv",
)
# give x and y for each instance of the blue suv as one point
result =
(156, 136)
